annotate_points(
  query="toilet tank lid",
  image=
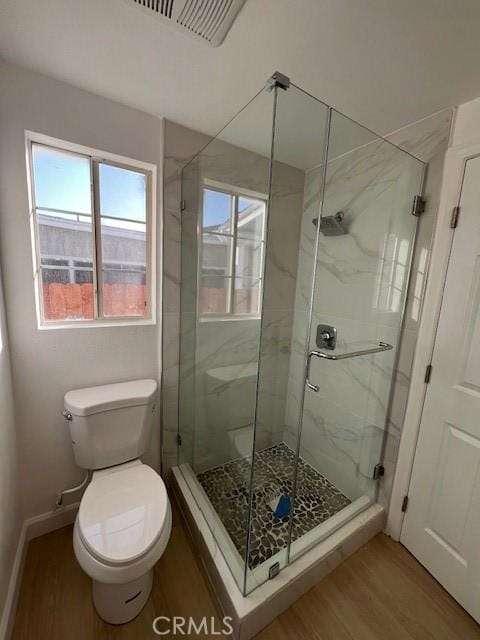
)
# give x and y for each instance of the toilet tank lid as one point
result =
(84, 402)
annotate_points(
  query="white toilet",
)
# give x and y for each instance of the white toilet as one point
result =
(124, 521)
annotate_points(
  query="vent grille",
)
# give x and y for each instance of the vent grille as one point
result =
(206, 20)
(160, 7)
(202, 18)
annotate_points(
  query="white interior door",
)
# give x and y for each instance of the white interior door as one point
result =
(442, 522)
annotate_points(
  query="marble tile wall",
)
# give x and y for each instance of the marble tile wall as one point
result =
(343, 424)
(428, 139)
(179, 146)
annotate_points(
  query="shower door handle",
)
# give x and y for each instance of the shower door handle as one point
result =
(382, 346)
(310, 385)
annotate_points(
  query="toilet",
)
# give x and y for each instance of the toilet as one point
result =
(124, 520)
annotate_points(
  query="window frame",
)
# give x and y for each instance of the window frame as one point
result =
(96, 157)
(235, 193)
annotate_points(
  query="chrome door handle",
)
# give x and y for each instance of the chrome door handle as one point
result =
(382, 346)
(310, 385)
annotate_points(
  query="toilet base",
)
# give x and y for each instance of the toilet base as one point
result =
(120, 603)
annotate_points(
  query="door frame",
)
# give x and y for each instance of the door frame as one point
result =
(454, 167)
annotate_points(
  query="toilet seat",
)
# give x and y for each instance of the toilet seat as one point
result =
(123, 513)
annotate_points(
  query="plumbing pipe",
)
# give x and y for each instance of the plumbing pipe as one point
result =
(59, 501)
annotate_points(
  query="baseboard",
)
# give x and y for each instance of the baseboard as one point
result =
(31, 528)
(46, 522)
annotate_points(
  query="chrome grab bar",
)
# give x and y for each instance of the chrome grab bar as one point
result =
(382, 346)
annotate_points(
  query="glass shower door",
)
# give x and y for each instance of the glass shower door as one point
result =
(300, 131)
(365, 234)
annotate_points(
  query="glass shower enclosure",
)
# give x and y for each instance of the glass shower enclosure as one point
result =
(297, 238)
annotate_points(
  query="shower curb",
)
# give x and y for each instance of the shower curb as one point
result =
(253, 612)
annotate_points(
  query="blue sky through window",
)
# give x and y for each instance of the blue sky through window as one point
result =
(123, 193)
(217, 208)
(62, 180)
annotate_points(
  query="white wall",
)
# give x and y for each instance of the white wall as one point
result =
(48, 363)
(10, 520)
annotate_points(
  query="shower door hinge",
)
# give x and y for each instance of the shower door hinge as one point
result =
(179, 440)
(418, 206)
(428, 373)
(183, 205)
(378, 471)
(404, 503)
(274, 570)
(454, 218)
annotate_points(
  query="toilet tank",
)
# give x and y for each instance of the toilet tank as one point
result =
(110, 424)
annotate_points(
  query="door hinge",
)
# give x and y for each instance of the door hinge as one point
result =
(454, 219)
(183, 205)
(404, 503)
(179, 440)
(418, 206)
(378, 471)
(428, 373)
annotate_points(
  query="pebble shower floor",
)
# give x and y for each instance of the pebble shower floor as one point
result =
(227, 488)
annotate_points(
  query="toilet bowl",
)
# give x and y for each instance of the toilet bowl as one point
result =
(124, 520)
(121, 530)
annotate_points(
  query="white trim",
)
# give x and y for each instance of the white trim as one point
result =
(31, 528)
(96, 156)
(455, 160)
(10, 606)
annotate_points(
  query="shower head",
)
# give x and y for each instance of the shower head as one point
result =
(331, 225)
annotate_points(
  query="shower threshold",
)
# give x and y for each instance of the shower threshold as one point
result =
(227, 488)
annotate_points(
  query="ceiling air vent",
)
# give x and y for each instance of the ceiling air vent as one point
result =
(206, 20)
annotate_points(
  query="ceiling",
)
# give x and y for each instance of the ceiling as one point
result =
(385, 63)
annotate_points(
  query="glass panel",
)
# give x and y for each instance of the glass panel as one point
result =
(65, 297)
(251, 218)
(219, 356)
(123, 193)
(61, 180)
(216, 254)
(66, 251)
(248, 259)
(247, 296)
(214, 295)
(365, 243)
(123, 235)
(300, 129)
(217, 211)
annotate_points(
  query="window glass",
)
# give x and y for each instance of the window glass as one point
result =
(217, 211)
(123, 214)
(248, 260)
(232, 253)
(251, 218)
(216, 254)
(61, 180)
(246, 296)
(123, 193)
(70, 279)
(214, 295)
(66, 251)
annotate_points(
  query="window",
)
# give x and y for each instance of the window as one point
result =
(92, 220)
(232, 253)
